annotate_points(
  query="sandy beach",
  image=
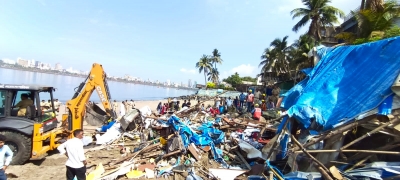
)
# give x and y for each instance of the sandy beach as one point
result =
(54, 163)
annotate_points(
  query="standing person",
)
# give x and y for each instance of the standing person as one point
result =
(257, 97)
(270, 104)
(236, 102)
(217, 101)
(5, 157)
(132, 104)
(256, 112)
(268, 91)
(242, 97)
(188, 104)
(229, 102)
(275, 94)
(76, 163)
(250, 100)
(159, 106)
(184, 104)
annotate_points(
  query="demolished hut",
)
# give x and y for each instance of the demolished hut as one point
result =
(341, 122)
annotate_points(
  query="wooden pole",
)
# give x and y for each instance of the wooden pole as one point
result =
(243, 160)
(321, 168)
(370, 133)
(336, 131)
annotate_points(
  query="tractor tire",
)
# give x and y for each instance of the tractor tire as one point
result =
(20, 145)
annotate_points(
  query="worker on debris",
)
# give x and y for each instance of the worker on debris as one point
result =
(256, 112)
(6, 156)
(23, 104)
(250, 101)
(263, 105)
(76, 163)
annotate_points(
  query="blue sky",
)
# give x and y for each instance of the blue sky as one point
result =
(148, 39)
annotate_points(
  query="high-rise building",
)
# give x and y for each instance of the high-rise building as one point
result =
(22, 62)
(194, 84)
(58, 67)
(190, 83)
(168, 82)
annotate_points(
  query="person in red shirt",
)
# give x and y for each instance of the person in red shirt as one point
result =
(256, 112)
(163, 109)
(250, 100)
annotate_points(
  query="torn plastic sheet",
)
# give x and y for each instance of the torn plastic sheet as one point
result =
(251, 151)
(205, 139)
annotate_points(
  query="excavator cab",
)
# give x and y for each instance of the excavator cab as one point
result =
(17, 123)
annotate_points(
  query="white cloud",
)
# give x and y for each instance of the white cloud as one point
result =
(244, 70)
(190, 71)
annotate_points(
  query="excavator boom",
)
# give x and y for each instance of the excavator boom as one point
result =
(96, 80)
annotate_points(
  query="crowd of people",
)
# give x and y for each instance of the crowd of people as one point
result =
(250, 102)
(123, 107)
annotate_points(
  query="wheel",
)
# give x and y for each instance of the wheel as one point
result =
(20, 145)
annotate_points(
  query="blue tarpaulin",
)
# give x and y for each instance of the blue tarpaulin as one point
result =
(347, 81)
(209, 137)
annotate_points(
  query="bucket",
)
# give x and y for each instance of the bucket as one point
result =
(396, 86)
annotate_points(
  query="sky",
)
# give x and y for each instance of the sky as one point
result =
(160, 40)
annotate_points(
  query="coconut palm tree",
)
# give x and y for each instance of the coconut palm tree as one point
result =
(298, 52)
(319, 13)
(216, 58)
(204, 65)
(376, 18)
(374, 5)
(213, 75)
(275, 58)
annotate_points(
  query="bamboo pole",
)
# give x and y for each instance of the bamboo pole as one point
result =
(394, 122)
(335, 131)
(321, 168)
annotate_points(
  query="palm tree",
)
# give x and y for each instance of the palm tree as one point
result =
(275, 58)
(299, 52)
(319, 13)
(374, 5)
(204, 65)
(376, 18)
(213, 76)
(216, 58)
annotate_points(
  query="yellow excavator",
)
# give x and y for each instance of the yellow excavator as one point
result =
(31, 136)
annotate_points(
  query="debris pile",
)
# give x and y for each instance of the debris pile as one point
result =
(341, 122)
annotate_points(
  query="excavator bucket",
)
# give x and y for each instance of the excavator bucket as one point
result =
(95, 115)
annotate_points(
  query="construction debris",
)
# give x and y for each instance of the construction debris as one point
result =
(326, 128)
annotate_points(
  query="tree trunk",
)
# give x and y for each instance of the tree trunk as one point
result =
(362, 7)
(205, 79)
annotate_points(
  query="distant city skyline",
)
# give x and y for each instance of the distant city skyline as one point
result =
(58, 67)
(160, 40)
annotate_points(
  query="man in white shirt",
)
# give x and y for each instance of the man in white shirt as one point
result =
(76, 163)
(5, 157)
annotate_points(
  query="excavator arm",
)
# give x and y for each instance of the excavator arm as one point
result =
(96, 80)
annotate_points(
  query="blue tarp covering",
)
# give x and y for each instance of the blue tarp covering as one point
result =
(347, 81)
(209, 137)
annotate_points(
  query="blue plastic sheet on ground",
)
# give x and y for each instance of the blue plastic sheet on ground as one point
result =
(347, 81)
(209, 137)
